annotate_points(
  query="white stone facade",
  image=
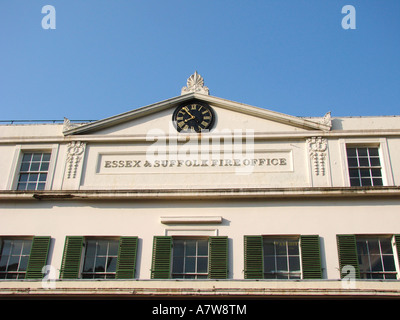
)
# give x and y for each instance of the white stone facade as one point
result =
(255, 172)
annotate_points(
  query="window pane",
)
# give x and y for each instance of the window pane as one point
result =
(3, 262)
(6, 247)
(100, 264)
(376, 263)
(111, 264)
(294, 263)
(269, 248)
(362, 152)
(365, 173)
(34, 166)
(351, 152)
(363, 162)
(375, 162)
(177, 266)
(269, 264)
(44, 166)
(352, 162)
(280, 247)
(27, 157)
(293, 248)
(23, 263)
(102, 248)
(377, 182)
(37, 157)
(386, 246)
(376, 172)
(46, 156)
(202, 264)
(89, 264)
(190, 265)
(202, 248)
(281, 264)
(90, 248)
(354, 173)
(33, 177)
(25, 166)
(373, 151)
(366, 182)
(13, 263)
(23, 177)
(355, 182)
(178, 248)
(388, 263)
(373, 246)
(21, 186)
(190, 247)
(40, 186)
(27, 244)
(113, 248)
(16, 247)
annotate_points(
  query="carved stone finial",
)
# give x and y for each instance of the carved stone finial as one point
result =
(195, 83)
(327, 119)
(68, 125)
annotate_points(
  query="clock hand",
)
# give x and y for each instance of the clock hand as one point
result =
(186, 120)
(187, 111)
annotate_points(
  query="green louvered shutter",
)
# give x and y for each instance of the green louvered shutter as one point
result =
(397, 240)
(38, 257)
(253, 257)
(218, 258)
(126, 258)
(347, 249)
(310, 257)
(72, 255)
(161, 262)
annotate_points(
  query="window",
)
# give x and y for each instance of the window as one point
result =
(371, 256)
(190, 259)
(100, 259)
(33, 171)
(375, 258)
(14, 258)
(281, 258)
(364, 166)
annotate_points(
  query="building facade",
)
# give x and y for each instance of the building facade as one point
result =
(198, 196)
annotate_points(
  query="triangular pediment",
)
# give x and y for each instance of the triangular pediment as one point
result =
(230, 115)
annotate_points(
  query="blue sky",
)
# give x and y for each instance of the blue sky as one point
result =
(107, 57)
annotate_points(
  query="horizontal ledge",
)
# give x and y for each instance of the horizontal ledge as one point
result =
(204, 194)
(201, 288)
(257, 136)
(191, 220)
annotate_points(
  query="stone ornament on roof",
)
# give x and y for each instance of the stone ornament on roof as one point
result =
(195, 83)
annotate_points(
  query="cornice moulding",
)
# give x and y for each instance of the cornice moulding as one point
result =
(206, 194)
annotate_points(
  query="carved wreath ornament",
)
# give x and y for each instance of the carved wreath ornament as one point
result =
(74, 156)
(317, 150)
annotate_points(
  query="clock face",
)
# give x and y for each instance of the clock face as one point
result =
(193, 117)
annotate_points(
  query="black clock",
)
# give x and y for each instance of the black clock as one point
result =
(193, 117)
